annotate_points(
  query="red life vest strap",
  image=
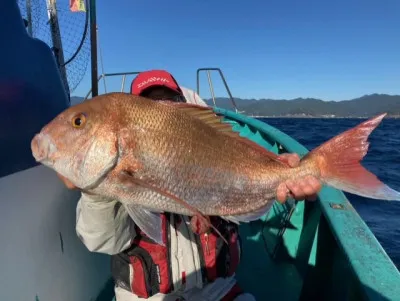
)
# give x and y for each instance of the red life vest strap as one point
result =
(151, 263)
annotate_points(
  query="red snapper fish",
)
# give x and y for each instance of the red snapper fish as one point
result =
(181, 158)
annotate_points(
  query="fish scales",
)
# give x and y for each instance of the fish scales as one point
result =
(187, 167)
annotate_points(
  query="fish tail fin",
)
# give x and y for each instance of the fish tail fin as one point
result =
(340, 167)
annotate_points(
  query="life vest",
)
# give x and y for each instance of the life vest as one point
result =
(145, 267)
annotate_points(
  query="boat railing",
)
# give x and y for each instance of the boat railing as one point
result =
(105, 75)
(210, 84)
(207, 70)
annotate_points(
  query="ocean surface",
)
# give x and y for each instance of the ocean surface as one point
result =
(383, 159)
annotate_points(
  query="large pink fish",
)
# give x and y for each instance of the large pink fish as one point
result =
(174, 157)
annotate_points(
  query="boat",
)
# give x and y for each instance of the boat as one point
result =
(319, 250)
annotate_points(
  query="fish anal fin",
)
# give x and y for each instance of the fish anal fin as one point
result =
(249, 217)
(208, 116)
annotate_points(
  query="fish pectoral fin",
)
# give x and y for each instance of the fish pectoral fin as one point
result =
(150, 223)
(126, 176)
(208, 116)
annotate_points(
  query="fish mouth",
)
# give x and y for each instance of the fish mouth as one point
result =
(42, 148)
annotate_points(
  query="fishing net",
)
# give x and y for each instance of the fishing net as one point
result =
(74, 33)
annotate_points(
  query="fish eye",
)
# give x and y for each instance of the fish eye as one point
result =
(78, 120)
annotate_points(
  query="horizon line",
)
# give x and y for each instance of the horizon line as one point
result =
(289, 99)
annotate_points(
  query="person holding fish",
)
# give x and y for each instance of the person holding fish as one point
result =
(193, 258)
(165, 184)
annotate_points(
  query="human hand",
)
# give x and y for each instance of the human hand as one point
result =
(305, 188)
(200, 226)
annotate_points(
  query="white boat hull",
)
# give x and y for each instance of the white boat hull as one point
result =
(41, 254)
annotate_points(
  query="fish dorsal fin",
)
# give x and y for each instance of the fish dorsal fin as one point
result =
(208, 116)
(205, 114)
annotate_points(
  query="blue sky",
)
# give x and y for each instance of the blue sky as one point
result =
(332, 50)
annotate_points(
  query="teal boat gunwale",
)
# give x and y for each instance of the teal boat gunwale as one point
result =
(368, 260)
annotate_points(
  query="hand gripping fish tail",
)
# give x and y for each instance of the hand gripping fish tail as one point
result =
(339, 163)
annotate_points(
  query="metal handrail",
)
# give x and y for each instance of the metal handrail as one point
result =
(124, 74)
(211, 86)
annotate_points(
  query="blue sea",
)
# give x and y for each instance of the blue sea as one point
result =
(383, 159)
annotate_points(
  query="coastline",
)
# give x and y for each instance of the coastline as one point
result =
(322, 117)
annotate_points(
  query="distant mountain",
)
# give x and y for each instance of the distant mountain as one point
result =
(365, 106)
(76, 99)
